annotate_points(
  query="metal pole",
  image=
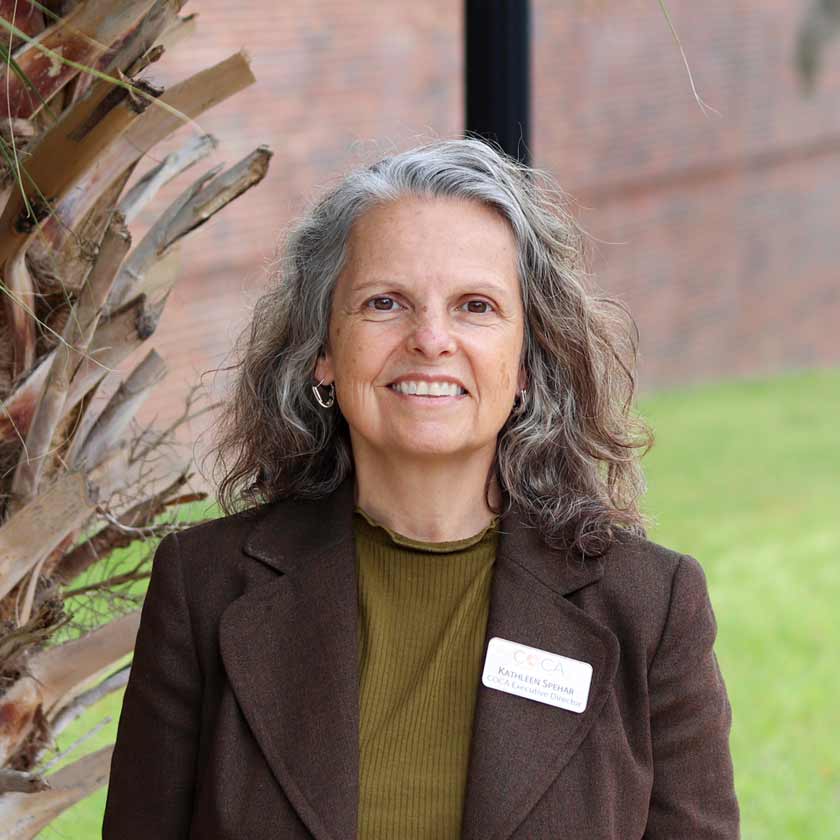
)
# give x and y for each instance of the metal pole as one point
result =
(498, 79)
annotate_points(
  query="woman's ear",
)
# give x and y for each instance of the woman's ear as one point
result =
(324, 368)
(522, 382)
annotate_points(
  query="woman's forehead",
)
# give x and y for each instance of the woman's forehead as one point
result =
(412, 217)
(414, 239)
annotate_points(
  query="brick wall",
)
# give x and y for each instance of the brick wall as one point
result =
(722, 227)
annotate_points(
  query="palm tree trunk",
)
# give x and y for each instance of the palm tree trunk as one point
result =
(72, 144)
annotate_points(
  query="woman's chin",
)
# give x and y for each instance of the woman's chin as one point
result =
(419, 446)
(432, 449)
(419, 441)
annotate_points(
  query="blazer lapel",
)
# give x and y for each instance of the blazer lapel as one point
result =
(519, 746)
(290, 650)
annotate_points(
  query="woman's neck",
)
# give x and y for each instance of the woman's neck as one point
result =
(432, 501)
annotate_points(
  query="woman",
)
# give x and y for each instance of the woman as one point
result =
(437, 615)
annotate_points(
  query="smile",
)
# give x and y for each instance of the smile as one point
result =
(429, 391)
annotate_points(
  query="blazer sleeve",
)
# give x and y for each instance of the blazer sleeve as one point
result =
(150, 790)
(693, 794)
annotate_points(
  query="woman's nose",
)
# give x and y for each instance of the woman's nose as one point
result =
(431, 334)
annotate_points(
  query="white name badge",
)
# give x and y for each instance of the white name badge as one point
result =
(537, 674)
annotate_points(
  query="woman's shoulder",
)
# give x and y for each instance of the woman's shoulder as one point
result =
(216, 545)
(642, 577)
(219, 531)
(634, 554)
(213, 560)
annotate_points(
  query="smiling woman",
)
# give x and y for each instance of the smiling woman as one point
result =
(398, 256)
(431, 609)
(447, 312)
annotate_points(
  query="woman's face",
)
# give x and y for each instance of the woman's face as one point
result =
(430, 295)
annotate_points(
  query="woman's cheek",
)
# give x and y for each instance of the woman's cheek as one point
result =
(505, 378)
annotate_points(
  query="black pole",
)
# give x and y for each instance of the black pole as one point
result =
(498, 78)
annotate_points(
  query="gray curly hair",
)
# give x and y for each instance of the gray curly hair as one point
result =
(570, 460)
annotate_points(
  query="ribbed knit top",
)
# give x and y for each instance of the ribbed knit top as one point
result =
(423, 610)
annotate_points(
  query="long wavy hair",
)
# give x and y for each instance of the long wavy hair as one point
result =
(570, 459)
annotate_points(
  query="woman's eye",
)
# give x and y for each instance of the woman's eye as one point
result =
(475, 307)
(381, 304)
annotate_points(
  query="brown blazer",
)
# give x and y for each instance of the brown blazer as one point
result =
(241, 716)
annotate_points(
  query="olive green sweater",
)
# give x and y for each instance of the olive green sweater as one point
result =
(422, 618)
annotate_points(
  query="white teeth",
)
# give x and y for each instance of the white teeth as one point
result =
(431, 389)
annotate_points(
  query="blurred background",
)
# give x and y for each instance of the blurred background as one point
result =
(717, 225)
(718, 229)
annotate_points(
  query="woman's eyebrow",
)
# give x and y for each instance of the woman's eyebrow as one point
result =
(378, 283)
(482, 285)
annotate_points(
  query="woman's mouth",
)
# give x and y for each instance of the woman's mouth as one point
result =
(428, 391)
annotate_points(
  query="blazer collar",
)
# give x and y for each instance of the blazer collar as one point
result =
(290, 649)
(288, 533)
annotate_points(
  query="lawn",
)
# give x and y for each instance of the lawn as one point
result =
(745, 477)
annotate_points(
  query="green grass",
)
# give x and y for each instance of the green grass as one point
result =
(744, 477)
